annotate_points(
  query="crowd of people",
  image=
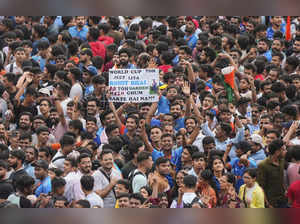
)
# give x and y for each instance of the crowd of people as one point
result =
(224, 133)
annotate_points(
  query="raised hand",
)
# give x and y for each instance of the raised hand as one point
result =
(186, 89)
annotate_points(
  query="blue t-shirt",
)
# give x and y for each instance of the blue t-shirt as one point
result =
(163, 105)
(45, 187)
(238, 170)
(40, 60)
(192, 40)
(81, 34)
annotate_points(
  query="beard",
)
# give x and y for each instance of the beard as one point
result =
(175, 116)
(124, 63)
(54, 121)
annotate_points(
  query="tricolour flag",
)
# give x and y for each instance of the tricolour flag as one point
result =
(229, 74)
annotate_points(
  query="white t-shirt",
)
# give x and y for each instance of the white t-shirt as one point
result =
(94, 199)
(138, 181)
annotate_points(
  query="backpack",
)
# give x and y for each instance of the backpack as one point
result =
(131, 176)
(196, 199)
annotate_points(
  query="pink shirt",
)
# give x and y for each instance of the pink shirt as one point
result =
(293, 172)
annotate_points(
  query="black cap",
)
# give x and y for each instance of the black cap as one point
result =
(41, 163)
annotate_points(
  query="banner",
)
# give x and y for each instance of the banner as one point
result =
(134, 85)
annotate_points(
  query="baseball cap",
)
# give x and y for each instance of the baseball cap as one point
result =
(91, 70)
(87, 51)
(256, 139)
(42, 164)
(45, 91)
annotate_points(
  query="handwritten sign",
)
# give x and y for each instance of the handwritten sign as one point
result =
(134, 85)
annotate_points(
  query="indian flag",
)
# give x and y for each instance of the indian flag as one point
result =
(229, 74)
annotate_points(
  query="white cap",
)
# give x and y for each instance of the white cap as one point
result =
(45, 91)
(257, 139)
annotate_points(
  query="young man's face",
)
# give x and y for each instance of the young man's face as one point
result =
(155, 134)
(40, 173)
(262, 46)
(43, 156)
(91, 127)
(20, 56)
(248, 72)
(92, 108)
(276, 61)
(208, 147)
(109, 119)
(23, 143)
(199, 163)
(175, 111)
(270, 137)
(29, 155)
(277, 20)
(167, 143)
(131, 124)
(124, 59)
(296, 82)
(135, 203)
(67, 166)
(85, 165)
(43, 137)
(163, 202)
(120, 189)
(190, 125)
(107, 161)
(124, 202)
(25, 122)
(172, 92)
(182, 55)
(168, 120)
(168, 129)
(144, 110)
(296, 47)
(44, 107)
(190, 27)
(164, 168)
(59, 204)
(276, 45)
(80, 21)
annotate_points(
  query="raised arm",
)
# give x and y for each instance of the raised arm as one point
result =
(187, 92)
(113, 108)
(144, 136)
(151, 112)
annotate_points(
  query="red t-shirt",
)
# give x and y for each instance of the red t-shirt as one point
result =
(294, 194)
(260, 77)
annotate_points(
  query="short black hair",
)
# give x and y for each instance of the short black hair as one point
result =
(66, 140)
(275, 146)
(104, 152)
(161, 160)
(87, 182)
(252, 172)
(190, 181)
(19, 154)
(138, 197)
(57, 182)
(83, 203)
(142, 156)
